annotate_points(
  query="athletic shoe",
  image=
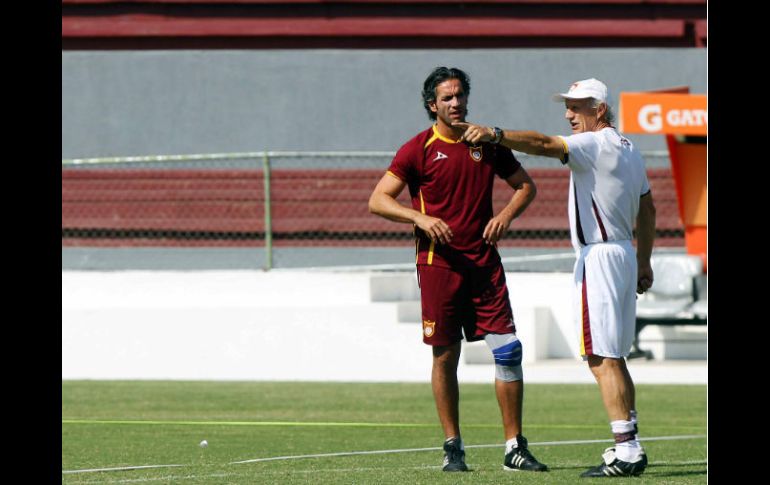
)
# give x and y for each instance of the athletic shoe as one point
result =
(612, 467)
(520, 458)
(454, 456)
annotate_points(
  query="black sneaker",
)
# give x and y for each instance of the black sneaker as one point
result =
(520, 458)
(454, 456)
(612, 467)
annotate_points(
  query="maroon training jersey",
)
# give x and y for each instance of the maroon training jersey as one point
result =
(453, 181)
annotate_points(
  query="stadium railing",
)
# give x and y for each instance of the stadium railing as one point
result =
(274, 199)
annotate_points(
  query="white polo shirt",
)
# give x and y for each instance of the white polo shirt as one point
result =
(607, 177)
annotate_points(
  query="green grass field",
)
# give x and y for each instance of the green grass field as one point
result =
(132, 424)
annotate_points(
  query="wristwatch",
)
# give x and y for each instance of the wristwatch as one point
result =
(498, 135)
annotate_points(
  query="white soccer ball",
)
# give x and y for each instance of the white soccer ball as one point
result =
(204, 444)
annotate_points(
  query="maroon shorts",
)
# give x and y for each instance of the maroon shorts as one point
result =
(473, 300)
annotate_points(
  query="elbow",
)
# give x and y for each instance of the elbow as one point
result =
(531, 187)
(544, 148)
(532, 192)
(535, 145)
(541, 145)
(647, 215)
(650, 211)
(646, 206)
(553, 148)
(373, 205)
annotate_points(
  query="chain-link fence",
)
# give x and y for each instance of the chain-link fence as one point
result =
(270, 200)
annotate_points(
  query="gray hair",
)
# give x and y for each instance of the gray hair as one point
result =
(609, 115)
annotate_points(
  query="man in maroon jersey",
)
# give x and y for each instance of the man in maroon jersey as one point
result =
(461, 277)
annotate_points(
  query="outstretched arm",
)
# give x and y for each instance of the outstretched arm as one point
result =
(524, 194)
(530, 142)
(645, 235)
(383, 203)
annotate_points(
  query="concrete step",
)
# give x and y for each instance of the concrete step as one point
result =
(352, 342)
(316, 326)
(676, 342)
(211, 289)
(409, 311)
(394, 286)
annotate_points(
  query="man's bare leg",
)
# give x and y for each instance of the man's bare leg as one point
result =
(510, 396)
(627, 457)
(615, 385)
(445, 388)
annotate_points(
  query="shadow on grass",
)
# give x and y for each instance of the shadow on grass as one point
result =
(647, 472)
(662, 474)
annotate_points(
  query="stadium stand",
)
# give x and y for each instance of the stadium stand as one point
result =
(308, 207)
(164, 24)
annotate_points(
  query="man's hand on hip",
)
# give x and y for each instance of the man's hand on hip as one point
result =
(436, 229)
(495, 230)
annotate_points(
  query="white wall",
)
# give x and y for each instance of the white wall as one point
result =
(122, 103)
(290, 325)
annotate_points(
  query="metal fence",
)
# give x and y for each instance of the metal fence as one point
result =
(274, 199)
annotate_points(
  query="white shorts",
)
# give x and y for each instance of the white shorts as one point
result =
(605, 298)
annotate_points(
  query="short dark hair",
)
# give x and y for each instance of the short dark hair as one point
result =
(438, 76)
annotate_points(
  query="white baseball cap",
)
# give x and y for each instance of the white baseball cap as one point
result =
(587, 88)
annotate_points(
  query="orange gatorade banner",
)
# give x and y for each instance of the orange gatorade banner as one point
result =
(669, 114)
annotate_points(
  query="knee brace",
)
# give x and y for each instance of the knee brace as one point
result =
(506, 349)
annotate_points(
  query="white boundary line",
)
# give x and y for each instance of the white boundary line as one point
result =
(383, 452)
(407, 450)
(120, 468)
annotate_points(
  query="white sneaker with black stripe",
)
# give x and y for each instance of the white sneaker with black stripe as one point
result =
(520, 458)
(613, 467)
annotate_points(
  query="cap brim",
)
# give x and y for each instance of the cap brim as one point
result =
(559, 97)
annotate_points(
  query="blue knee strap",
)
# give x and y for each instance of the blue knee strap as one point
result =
(509, 355)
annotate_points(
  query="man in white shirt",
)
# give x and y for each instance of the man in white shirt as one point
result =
(609, 191)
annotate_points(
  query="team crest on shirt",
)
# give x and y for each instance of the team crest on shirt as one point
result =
(476, 153)
(428, 327)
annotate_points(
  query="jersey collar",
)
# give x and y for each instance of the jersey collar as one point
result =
(441, 137)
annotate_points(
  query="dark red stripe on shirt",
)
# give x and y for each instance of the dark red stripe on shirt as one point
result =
(599, 219)
(577, 217)
(587, 344)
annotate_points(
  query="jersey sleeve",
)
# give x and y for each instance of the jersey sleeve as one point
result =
(505, 162)
(581, 150)
(404, 164)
